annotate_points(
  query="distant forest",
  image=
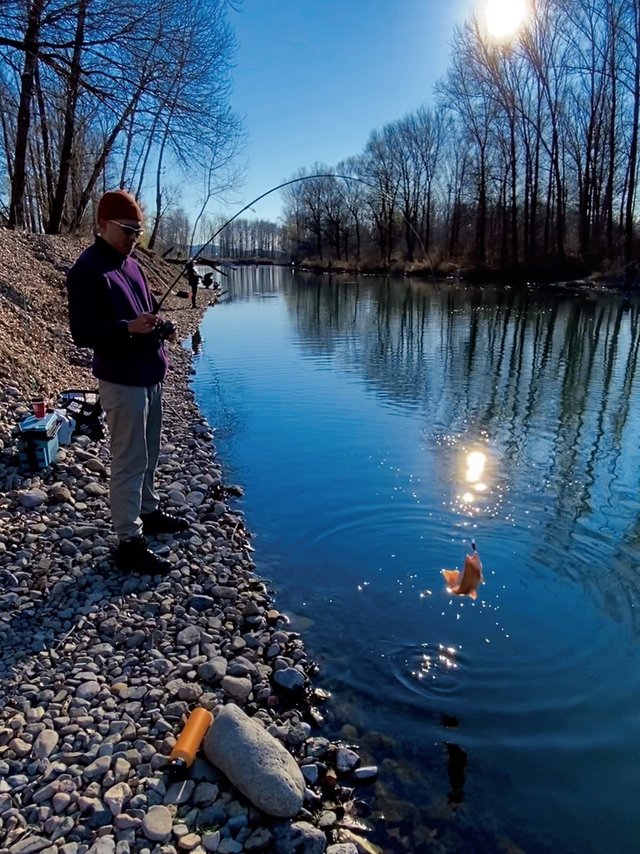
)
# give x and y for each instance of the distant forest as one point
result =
(527, 155)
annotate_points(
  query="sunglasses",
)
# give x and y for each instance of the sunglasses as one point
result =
(129, 230)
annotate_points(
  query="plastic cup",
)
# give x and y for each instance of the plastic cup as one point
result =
(39, 407)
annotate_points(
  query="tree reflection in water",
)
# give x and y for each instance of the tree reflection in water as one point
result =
(503, 360)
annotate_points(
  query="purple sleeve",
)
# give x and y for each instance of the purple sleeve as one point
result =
(91, 316)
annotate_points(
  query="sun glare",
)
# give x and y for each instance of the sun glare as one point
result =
(504, 17)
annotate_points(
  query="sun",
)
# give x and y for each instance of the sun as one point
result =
(504, 17)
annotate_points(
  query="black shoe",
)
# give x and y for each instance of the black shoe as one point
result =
(159, 522)
(135, 556)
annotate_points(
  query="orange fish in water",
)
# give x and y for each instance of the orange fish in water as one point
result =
(466, 583)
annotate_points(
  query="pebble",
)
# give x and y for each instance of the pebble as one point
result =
(156, 824)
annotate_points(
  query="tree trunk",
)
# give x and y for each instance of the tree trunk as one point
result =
(66, 151)
(514, 188)
(633, 146)
(46, 144)
(158, 217)
(31, 50)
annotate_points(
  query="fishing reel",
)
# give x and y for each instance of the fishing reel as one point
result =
(164, 329)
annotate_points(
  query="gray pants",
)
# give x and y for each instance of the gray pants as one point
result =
(134, 416)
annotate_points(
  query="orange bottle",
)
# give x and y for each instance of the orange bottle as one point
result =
(187, 745)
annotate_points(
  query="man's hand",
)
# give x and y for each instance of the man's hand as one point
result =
(143, 324)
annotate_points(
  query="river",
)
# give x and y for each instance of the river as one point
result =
(379, 425)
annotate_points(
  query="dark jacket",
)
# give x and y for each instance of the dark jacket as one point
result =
(106, 289)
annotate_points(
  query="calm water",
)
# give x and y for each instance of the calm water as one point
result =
(349, 410)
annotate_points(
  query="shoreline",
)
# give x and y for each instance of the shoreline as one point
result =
(577, 273)
(98, 669)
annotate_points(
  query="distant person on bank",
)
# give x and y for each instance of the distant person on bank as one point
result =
(112, 310)
(194, 280)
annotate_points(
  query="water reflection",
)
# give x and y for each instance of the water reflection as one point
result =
(548, 376)
(456, 764)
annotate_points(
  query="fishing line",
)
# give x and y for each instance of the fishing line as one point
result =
(259, 198)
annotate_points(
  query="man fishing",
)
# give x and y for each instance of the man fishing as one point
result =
(112, 310)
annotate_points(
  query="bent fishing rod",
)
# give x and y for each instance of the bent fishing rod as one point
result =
(280, 187)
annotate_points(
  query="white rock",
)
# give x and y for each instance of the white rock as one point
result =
(116, 797)
(255, 762)
(156, 824)
(103, 845)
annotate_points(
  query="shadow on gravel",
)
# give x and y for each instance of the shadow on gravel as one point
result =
(52, 618)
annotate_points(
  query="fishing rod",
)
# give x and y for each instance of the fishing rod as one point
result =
(259, 198)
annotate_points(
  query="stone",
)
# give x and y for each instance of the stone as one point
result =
(346, 760)
(156, 824)
(298, 837)
(88, 690)
(29, 845)
(20, 747)
(255, 762)
(205, 794)
(45, 744)
(213, 670)
(259, 840)
(98, 767)
(343, 848)
(103, 845)
(367, 772)
(116, 797)
(211, 841)
(60, 801)
(238, 687)
(289, 678)
(188, 841)
(189, 636)
(32, 498)
(180, 792)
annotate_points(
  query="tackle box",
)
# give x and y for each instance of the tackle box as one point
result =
(38, 441)
(86, 410)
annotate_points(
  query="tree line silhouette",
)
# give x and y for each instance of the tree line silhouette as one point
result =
(529, 153)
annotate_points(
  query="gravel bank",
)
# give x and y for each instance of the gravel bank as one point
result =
(98, 670)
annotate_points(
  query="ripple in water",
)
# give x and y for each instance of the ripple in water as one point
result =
(430, 670)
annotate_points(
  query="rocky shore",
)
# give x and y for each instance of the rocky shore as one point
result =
(99, 671)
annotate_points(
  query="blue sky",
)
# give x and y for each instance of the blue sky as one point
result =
(313, 78)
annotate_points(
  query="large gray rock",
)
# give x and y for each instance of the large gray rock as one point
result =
(255, 762)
